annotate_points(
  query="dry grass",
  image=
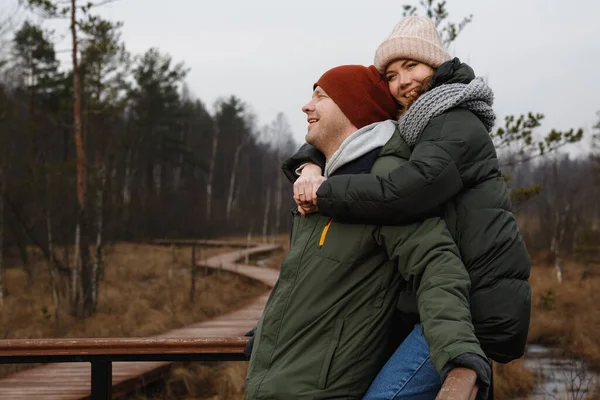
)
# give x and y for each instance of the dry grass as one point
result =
(223, 381)
(149, 285)
(145, 292)
(566, 315)
(512, 380)
(595, 393)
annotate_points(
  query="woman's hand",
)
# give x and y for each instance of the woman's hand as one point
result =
(305, 189)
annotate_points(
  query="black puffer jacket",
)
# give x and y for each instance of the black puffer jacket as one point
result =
(454, 170)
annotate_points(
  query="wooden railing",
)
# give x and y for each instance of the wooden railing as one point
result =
(101, 353)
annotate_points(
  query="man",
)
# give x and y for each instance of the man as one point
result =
(327, 328)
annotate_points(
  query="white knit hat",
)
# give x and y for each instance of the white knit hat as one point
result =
(414, 38)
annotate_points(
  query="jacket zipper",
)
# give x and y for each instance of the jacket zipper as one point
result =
(324, 233)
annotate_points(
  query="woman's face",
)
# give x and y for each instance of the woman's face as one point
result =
(406, 80)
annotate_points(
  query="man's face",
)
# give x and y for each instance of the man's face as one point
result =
(328, 126)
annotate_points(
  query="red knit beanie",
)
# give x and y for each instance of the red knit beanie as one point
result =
(360, 92)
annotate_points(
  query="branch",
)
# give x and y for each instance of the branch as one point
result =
(530, 157)
(101, 3)
(519, 131)
(437, 12)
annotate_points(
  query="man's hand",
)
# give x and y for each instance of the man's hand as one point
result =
(305, 189)
(460, 384)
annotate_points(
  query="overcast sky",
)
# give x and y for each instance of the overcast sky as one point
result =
(538, 55)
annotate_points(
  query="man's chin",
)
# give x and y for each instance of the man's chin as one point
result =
(312, 140)
(309, 138)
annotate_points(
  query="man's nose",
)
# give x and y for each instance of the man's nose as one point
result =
(308, 107)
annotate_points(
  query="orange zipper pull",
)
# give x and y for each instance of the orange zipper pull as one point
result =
(324, 233)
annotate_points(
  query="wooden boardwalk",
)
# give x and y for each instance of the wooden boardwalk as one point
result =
(65, 381)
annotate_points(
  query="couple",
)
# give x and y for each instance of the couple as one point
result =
(405, 266)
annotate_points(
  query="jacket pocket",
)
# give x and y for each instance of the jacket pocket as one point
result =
(333, 344)
(324, 233)
(295, 222)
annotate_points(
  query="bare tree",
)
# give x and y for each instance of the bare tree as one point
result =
(51, 263)
(98, 270)
(2, 189)
(10, 18)
(87, 275)
(280, 139)
(193, 272)
(232, 177)
(266, 213)
(436, 11)
(563, 206)
(211, 170)
(278, 203)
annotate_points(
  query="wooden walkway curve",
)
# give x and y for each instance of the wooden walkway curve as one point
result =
(66, 381)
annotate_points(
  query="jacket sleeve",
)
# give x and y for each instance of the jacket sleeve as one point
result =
(416, 189)
(428, 260)
(306, 154)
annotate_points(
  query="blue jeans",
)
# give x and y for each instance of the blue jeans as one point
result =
(408, 374)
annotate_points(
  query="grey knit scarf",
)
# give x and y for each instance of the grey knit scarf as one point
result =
(477, 97)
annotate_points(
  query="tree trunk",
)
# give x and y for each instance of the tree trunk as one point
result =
(554, 248)
(557, 240)
(157, 173)
(177, 174)
(248, 240)
(236, 159)
(27, 267)
(87, 276)
(50, 263)
(100, 191)
(2, 187)
(211, 171)
(266, 215)
(88, 282)
(113, 187)
(127, 182)
(193, 273)
(177, 171)
(74, 294)
(278, 203)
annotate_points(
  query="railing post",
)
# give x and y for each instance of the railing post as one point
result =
(101, 380)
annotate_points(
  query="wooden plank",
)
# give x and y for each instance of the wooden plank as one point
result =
(133, 346)
(205, 243)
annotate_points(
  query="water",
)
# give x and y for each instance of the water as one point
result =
(560, 377)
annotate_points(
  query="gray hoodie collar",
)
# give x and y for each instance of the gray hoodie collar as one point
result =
(360, 143)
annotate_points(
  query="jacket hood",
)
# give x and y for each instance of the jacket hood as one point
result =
(452, 71)
(396, 146)
(360, 143)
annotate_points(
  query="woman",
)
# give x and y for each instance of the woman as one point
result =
(446, 117)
